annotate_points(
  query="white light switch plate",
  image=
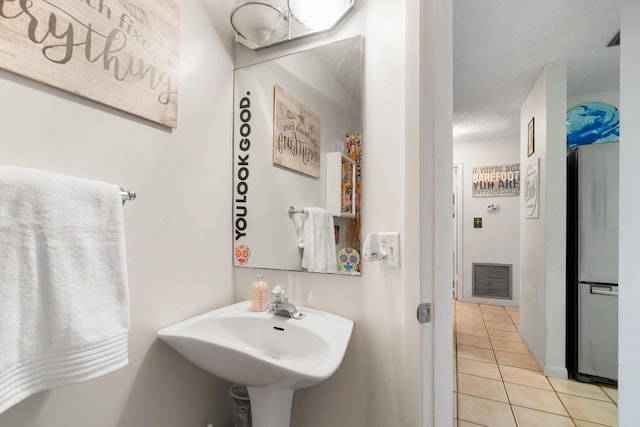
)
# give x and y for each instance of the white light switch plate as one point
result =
(390, 245)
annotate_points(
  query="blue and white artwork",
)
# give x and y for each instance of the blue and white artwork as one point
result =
(592, 123)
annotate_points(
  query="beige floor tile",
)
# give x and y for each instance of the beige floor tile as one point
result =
(469, 321)
(491, 308)
(517, 360)
(526, 417)
(580, 423)
(482, 387)
(464, 310)
(484, 412)
(611, 391)
(511, 346)
(500, 326)
(471, 315)
(592, 391)
(526, 377)
(475, 314)
(473, 341)
(504, 335)
(470, 330)
(535, 398)
(496, 317)
(476, 353)
(591, 410)
(479, 368)
(455, 382)
(477, 376)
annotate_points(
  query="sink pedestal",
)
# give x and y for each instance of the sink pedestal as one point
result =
(271, 405)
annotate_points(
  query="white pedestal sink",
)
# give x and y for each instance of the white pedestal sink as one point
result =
(271, 355)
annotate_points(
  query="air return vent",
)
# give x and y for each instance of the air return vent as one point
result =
(492, 281)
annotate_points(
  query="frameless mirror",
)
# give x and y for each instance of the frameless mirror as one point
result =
(259, 24)
(297, 145)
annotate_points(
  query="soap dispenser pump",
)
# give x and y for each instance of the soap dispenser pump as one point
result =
(259, 294)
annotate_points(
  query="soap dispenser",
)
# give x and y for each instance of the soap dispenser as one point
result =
(259, 294)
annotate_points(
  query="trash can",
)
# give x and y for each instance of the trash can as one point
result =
(241, 406)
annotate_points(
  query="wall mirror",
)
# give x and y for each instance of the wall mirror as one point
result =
(297, 144)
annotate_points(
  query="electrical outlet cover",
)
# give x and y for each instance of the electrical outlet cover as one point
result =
(390, 245)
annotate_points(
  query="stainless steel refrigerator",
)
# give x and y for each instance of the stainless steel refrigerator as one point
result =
(592, 262)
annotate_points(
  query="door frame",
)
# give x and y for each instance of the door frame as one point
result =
(436, 159)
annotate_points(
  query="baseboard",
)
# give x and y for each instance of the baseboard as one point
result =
(548, 371)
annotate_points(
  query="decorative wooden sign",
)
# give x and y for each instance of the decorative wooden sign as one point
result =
(122, 53)
(296, 134)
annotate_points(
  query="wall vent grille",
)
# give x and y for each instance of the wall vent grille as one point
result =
(492, 281)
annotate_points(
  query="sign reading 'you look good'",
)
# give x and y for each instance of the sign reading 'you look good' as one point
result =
(122, 53)
(496, 180)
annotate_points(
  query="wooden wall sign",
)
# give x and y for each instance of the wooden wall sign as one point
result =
(122, 53)
(296, 134)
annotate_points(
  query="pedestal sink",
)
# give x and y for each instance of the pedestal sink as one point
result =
(271, 355)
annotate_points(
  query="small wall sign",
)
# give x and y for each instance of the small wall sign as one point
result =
(477, 222)
(532, 195)
(296, 134)
(496, 180)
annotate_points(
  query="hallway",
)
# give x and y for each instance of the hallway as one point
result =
(498, 383)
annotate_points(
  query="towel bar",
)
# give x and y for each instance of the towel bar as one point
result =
(126, 195)
(293, 210)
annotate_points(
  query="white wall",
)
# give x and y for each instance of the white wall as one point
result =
(543, 239)
(629, 275)
(379, 382)
(498, 241)
(177, 231)
(610, 97)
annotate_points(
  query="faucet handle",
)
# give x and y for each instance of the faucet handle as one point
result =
(278, 294)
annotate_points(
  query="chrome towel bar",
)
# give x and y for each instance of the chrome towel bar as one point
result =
(127, 195)
(293, 210)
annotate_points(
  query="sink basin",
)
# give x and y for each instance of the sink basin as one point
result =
(271, 355)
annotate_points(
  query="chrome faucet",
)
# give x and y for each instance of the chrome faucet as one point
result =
(281, 305)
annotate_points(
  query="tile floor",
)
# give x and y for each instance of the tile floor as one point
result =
(497, 382)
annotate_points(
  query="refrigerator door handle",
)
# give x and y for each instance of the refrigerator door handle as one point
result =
(600, 291)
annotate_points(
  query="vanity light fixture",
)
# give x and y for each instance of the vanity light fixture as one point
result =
(260, 23)
(263, 23)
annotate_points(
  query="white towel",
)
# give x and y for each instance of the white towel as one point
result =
(64, 301)
(298, 223)
(319, 242)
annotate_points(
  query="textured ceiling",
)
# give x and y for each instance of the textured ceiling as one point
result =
(501, 46)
